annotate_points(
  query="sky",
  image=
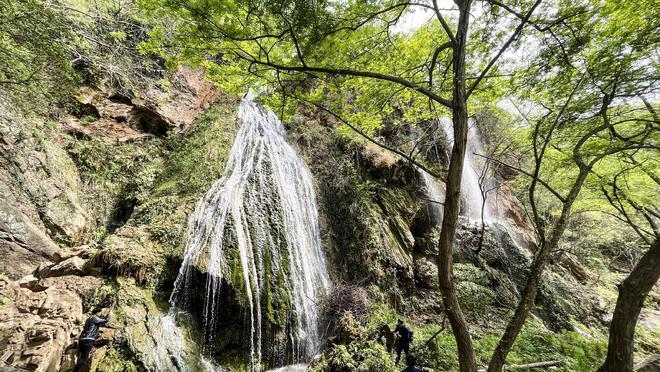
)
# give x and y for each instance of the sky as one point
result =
(419, 16)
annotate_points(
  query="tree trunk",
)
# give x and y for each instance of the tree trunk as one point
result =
(632, 292)
(541, 258)
(456, 318)
(522, 311)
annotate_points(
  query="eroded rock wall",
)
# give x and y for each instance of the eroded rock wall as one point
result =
(60, 254)
(39, 187)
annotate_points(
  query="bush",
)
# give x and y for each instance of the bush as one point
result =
(342, 303)
(364, 355)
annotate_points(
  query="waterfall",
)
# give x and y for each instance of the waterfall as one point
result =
(169, 353)
(435, 195)
(471, 193)
(257, 228)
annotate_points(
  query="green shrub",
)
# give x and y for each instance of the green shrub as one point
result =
(472, 289)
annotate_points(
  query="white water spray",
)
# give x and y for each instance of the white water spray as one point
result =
(436, 197)
(471, 190)
(264, 207)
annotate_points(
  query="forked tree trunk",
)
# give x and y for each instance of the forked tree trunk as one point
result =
(459, 326)
(632, 292)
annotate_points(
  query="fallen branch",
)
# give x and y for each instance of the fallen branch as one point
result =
(550, 363)
(437, 333)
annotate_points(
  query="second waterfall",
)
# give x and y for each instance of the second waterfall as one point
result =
(254, 247)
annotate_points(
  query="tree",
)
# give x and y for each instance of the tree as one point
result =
(347, 58)
(600, 117)
(629, 191)
(34, 52)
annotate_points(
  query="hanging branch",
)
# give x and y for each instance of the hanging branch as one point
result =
(372, 140)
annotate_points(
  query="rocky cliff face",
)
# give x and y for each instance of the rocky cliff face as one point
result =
(49, 209)
(40, 189)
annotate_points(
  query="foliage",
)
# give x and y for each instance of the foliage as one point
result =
(34, 51)
(472, 288)
(105, 49)
(356, 352)
(535, 343)
(116, 173)
(119, 358)
(69, 42)
(195, 161)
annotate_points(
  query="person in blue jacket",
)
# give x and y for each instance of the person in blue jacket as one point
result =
(404, 338)
(88, 337)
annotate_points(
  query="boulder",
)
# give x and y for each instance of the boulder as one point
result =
(71, 266)
(648, 364)
(23, 241)
(426, 272)
(84, 251)
(31, 282)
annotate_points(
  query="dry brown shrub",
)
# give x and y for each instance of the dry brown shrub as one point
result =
(344, 300)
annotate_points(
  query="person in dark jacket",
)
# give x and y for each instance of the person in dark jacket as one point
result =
(410, 363)
(88, 336)
(404, 338)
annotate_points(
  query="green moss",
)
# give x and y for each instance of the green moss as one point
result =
(473, 289)
(119, 359)
(198, 158)
(535, 343)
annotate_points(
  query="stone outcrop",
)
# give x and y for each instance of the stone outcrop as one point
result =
(70, 266)
(38, 319)
(23, 244)
(39, 191)
(188, 95)
(108, 116)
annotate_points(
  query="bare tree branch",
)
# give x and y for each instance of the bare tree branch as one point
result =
(504, 47)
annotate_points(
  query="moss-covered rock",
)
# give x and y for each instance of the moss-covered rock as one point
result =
(147, 335)
(40, 187)
(366, 200)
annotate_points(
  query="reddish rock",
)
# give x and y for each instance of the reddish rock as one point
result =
(37, 326)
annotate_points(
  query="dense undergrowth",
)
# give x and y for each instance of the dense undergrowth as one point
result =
(434, 346)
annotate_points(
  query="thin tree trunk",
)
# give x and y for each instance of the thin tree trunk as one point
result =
(541, 258)
(456, 318)
(632, 292)
(522, 311)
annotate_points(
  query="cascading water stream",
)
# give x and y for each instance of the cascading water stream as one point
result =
(261, 221)
(475, 183)
(436, 197)
(473, 198)
(471, 190)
